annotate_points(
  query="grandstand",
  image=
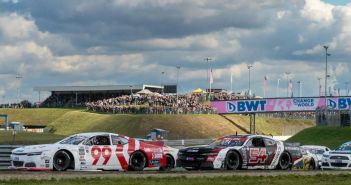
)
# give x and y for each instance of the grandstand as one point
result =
(76, 96)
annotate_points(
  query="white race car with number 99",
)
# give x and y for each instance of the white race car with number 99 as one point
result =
(93, 151)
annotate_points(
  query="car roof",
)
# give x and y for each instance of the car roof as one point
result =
(247, 136)
(90, 134)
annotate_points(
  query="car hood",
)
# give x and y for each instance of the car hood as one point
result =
(339, 152)
(202, 149)
(33, 148)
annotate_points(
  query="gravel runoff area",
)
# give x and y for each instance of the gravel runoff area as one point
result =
(47, 175)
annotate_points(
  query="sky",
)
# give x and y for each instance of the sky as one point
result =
(88, 42)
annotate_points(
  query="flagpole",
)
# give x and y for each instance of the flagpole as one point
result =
(231, 81)
(208, 59)
(277, 90)
(287, 80)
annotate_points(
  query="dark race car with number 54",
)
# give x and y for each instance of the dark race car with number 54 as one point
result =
(240, 152)
(93, 151)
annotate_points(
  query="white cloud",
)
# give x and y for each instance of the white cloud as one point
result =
(198, 41)
(318, 11)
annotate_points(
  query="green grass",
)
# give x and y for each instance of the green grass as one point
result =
(69, 121)
(180, 126)
(230, 180)
(23, 138)
(273, 126)
(34, 116)
(327, 136)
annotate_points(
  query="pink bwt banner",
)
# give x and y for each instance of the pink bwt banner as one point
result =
(280, 105)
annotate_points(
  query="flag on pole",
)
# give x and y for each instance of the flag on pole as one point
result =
(231, 76)
(211, 76)
(231, 81)
(265, 85)
(290, 87)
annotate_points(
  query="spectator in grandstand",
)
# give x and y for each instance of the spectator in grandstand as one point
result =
(152, 104)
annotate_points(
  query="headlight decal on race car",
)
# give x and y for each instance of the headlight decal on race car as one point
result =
(97, 153)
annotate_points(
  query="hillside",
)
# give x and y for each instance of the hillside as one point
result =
(273, 126)
(328, 136)
(42, 116)
(180, 126)
(69, 121)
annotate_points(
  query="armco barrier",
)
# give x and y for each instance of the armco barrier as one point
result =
(5, 151)
(188, 142)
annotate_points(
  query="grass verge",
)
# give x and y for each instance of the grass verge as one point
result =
(231, 180)
(327, 136)
(25, 138)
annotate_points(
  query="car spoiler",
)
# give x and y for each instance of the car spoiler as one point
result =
(153, 142)
(292, 144)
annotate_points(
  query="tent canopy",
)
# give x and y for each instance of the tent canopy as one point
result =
(144, 91)
(198, 91)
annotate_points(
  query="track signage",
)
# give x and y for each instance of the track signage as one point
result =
(281, 105)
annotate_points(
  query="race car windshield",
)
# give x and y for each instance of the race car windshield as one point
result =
(227, 142)
(316, 151)
(73, 140)
(344, 148)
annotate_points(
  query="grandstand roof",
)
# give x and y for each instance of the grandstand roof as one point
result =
(96, 88)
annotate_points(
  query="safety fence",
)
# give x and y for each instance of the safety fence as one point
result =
(188, 142)
(5, 152)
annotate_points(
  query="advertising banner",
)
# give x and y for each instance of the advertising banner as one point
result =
(280, 105)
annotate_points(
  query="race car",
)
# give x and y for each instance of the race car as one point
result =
(339, 159)
(240, 152)
(171, 153)
(92, 151)
(312, 157)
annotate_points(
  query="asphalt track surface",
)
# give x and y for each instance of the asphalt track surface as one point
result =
(42, 175)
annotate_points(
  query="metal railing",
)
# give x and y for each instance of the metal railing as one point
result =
(5, 152)
(188, 142)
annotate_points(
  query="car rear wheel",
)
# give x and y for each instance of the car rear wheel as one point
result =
(284, 161)
(232, 161)
(170, 163)
(137, 161)
(62, 160)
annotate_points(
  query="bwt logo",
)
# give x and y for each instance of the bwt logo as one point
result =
(342, 103)
(230, 107)
(246, 106)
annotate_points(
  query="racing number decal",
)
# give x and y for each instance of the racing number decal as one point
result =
(97, 152)
(257, 155)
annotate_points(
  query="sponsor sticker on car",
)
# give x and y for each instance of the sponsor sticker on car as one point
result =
(156, 155)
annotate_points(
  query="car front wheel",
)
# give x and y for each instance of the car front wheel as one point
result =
(232, 161)
(61, 161)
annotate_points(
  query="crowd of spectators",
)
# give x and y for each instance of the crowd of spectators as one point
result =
(291, 115)
(153, 104)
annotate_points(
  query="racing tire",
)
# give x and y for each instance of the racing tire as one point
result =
(312, 165)
(137, 161)
(62, 160)
(232, 161)
(170, 163)
(284, 161)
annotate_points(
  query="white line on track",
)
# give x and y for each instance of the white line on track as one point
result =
(7, 175)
